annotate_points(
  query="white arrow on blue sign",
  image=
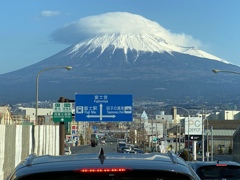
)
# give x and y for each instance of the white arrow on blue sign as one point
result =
(103, 107)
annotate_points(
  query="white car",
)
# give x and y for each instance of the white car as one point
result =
(67, 150)
(103, 142)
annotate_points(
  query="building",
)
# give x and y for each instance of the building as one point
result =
(224, 115)
(222, 133)
(44, 114)
(5, 115)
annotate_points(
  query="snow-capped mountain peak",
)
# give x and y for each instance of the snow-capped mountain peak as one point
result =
(139, 42)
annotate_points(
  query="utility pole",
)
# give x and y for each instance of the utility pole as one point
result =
(61, 131)
(211, 143)
(152, 133)
(140, 132)
(166, 135)
(176, 138)
(203, 136)
(156, 137)
(207, 142)
(62, 128)
(179, 137)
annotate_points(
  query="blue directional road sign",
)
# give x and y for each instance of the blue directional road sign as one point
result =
(103, 107)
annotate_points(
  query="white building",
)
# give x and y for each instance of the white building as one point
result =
(44, 114)
(154, 128)
(224, 115)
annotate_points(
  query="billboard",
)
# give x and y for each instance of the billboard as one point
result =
(74, 129)
(194, 126)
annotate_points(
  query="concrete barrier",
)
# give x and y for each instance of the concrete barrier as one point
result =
(16, 144)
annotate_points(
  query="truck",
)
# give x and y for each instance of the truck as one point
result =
(94, 140)
(121, 143)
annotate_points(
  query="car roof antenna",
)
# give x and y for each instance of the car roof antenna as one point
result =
(101, 156)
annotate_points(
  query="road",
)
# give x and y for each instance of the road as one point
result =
(109, 148)
(112, 148)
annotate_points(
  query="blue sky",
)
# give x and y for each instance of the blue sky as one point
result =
(27, 26)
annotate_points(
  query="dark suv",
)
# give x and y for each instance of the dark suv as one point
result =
(217, 170)
(115, 166)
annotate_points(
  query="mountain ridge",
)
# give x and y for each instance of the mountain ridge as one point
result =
(158, 76)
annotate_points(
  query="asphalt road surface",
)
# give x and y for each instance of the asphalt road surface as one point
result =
(108, 148)
(112, 148)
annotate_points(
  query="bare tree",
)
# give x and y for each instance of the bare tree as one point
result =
(88, 134)
(142, 138)
(132, 136)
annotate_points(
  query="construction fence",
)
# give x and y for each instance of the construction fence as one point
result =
(16, 144)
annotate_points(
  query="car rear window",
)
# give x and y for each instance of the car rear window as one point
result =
(132, 175)
(219, 172)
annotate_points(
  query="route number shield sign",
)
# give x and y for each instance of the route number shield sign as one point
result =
(103, 107)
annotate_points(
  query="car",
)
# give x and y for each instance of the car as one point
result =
(140, 151)
(103, 142)
(216, 169)
(123, 149)
(121, 145)
(121, 140)
(129, 151)
(115, 166)
(67, 150)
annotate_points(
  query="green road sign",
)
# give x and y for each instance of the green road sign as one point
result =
(62, 112)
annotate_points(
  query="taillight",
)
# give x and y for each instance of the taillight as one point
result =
(221, 164)
(101, 170)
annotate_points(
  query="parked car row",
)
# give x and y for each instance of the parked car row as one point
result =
(123, 147)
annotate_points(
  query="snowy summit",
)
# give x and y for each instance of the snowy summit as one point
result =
(122, 30)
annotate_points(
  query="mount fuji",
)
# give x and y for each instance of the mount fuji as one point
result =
(148, 64)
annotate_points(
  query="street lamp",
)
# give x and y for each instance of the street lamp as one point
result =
(36, 110)
(224, 71)
(188, 127)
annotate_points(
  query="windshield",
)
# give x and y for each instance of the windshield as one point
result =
(121, 145)
(219, 172)
(93, 136)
